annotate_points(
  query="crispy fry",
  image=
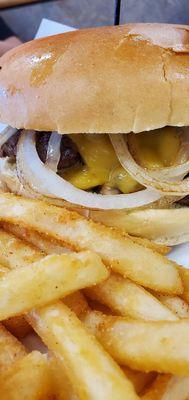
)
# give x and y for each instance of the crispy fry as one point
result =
(47, 280)
(175, 304)
(127, 298)
(28, 378)
(15, 253)
(140, 264)
(18, 326)
(168, 387)
(160, 346)
(11, 349)
(47, 246)
(92, 372)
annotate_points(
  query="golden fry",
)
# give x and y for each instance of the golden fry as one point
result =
(175, 304)
(47, 280)
(161, 346)
(28, 378)
(91, 371)
(124, 297)
(143, 265)
(11, 349)
(44, 244)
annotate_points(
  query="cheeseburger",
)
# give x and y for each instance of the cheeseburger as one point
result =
(97, 120)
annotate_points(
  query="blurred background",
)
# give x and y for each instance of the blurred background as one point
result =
(25, 19)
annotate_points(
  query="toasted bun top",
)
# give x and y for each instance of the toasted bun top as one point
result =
(112, 79)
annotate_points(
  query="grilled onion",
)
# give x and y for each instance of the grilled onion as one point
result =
(53, 151)
(163, 181)
(33, 173)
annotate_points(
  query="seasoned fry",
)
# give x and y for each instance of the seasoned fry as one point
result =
(11, 349)
(92, 372)
(28, 379)
(161, 346)
(127, 298)
(18, 326)
(47, 280)
(168, 387)
(175, 304)
(144, 266)
(15, 253)
(139, 379)
(48, 246)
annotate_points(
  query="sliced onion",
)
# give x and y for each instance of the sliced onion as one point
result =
(144, 176)
(6, 134)
(42, 180)
(53, 151)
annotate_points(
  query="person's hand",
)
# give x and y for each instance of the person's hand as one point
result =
(8, 44)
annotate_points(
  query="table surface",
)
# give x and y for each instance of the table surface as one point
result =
(85, 13)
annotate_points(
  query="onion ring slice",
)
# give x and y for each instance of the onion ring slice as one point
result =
(144, 176)
(53, 151)
(43, 180)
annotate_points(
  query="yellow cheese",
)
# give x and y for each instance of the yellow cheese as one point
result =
(101, 166)
(158, 148)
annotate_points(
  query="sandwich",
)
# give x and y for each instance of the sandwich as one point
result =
(97, 120)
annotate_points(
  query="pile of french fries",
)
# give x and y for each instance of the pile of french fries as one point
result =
(87, 312)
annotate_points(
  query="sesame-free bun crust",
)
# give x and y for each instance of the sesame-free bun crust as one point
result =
(104, 80)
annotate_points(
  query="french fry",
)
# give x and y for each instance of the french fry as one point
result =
(175, 304)
(11, 349)
(184, 273)
(143, 265)
(47, 246)
(15, 253)
(139, 379)
(168, 387)
(160, 346)
(28, 378)
(47, 280)
(91, 371)
(63, 389)
(79, 305)
(129, 299)
(18, 326)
